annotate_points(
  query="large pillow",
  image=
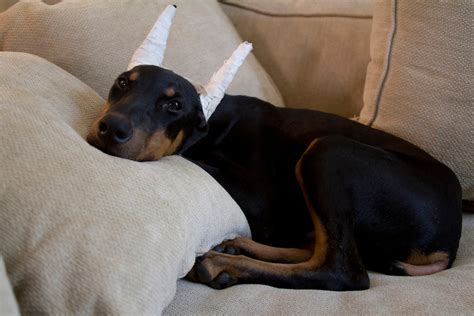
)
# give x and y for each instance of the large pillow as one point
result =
(448, 292)
(420, 79)
(84, 232)
(8, 305)
(316, 51)
(94, 40)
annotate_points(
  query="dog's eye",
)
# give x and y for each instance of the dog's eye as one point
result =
(173, 106)
(123, 83)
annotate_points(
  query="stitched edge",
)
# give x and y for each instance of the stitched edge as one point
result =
(386, 66)
(295, 15)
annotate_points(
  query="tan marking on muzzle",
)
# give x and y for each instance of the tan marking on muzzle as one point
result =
(104, 110)
(159, 145)
(95, 124)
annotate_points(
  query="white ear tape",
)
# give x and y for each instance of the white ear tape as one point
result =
(220, 81)
(152, 50)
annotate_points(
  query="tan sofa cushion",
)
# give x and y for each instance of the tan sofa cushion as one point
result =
(316, 51)
(83, 232)
(94, 40)
(445, 293)
(420, 80)
(8, 305)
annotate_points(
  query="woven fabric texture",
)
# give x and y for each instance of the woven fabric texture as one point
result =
(316, 51)
(85, 233)
(445, 293)
(94, 40)
(420, 80)
(8, 305)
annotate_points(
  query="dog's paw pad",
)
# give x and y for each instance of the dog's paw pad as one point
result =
(227, 248)
(201, 272)
(219, 248)
(222, 281)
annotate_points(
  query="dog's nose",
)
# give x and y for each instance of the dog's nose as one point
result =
(115, 128)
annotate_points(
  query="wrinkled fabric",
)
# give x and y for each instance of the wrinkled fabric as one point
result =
(82, 232)
(420, 80)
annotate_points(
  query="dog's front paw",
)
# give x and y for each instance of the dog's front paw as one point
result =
(229, 247)
(210, 269)
(223, 281)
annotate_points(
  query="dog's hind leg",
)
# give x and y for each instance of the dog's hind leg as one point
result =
(334, 263)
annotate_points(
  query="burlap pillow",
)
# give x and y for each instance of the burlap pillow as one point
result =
(445, 293)
(316, 51)
(420, 80)
(84, 232)
(94, 40)
(8, 305)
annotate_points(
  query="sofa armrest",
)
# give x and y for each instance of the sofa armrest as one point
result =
(316, 51)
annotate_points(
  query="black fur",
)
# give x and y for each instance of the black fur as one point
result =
(377, 196)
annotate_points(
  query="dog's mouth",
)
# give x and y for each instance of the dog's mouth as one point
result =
(114, 134)
(140, 147)
(124, 150)
(94, 141)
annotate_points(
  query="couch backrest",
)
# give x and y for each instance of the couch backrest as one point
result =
(316, 51)
(94, 40)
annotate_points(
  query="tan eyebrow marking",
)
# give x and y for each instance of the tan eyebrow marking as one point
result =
(134, 76)
(170, 92)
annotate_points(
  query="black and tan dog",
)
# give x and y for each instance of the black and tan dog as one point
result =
(326, 197)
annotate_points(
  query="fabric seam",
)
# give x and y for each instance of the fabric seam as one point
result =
(388, 57)
(296, 15)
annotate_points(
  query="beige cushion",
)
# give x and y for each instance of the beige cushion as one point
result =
(316, 51)
(420, 80)
(84, 232)
(446, 293)
(94, 40)
(8, 305)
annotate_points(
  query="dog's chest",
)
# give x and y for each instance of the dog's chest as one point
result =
(268, 194)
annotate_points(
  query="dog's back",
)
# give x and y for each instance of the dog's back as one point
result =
(346, 197)
(253, 147)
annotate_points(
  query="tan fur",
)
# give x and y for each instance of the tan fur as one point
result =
(175, 144)
(418, 263)
(95, 124)
(267, 253)
(321, 237)
(170, 92)
(159, 145)
(134, 76)
(103, 111)
(243, 268)
(417, 257)
(134, 146)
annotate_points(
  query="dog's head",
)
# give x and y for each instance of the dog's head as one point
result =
(151, 112)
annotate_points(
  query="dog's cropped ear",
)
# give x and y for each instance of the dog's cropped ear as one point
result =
(152, 50)
(198, 132)
(213, 92)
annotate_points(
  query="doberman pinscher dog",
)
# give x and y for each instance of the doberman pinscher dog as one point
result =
(326, 198)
